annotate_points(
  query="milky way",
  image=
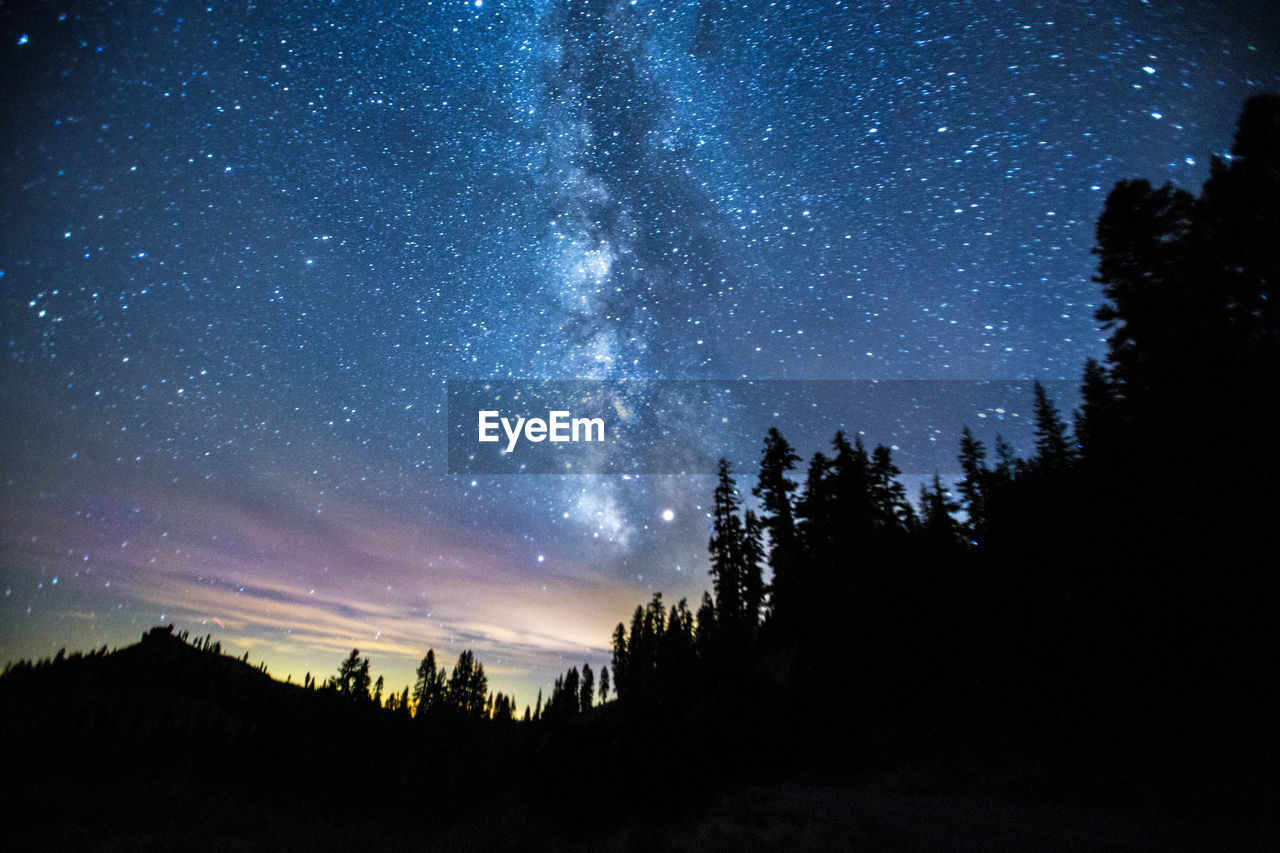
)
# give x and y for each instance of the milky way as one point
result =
(245, 247)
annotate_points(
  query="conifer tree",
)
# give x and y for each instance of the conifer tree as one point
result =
(621, 667)
(1141, 237)
(566, 703)
(587, 690)
(1098, 421)
(353, 676)
(973, 487)
(814, 512)
(706, 626)
(429, 688)
(889, 505)
(852, 510)
(1007, 463)
(753, 558)
(1054, 448)
(468, 686)
(639, 653)
(774, 489)
(936, 507)
(726, 546)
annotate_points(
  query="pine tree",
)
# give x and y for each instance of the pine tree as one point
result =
(468, 686)
(568, 702)
(353, 676)
(1237, 220)
(814, 512)
(774, 490)
(1098, 421)
(936, 507)
(852, 501)
(726, 546)
(706, 626)
(429, 689)
(1054, 449)
(753, 558)
(587, 690)
(621, 666)
(640, 654)
(1142, 240)
(1007, 463)
(678, 653)
(973, 488)
(889, 505)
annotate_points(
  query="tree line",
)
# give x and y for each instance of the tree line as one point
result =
(463, 692)
(1114, 586)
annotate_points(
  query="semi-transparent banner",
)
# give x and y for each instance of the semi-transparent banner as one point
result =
(685, 426)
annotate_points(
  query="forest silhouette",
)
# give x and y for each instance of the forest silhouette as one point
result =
(1103, 610)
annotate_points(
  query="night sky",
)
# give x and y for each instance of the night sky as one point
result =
(244, 247)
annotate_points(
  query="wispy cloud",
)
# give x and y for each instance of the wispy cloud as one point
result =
(301, 588)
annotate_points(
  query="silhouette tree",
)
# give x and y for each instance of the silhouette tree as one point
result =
(640, 654)
(891, 510)
(774, 490)
(677, 650)
(1237, 220)
(706, 626)
(851, 512)
(468, 686)
(936, 508)
(1054, 449)
(1097, 422)
(353, 676)
(567, 702)
(726, 546)
(1141, 237)
(973, 487)
(1007, 463)
(815, 513)
(753, 558)
(429, 688)
(621, 679)
(587, 689)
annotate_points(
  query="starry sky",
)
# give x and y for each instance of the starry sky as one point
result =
(244, 248)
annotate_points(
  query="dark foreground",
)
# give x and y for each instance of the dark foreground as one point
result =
(165, 746)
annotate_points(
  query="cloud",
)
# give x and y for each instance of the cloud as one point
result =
(301, 590)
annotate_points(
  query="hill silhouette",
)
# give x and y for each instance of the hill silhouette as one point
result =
(165, 742)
